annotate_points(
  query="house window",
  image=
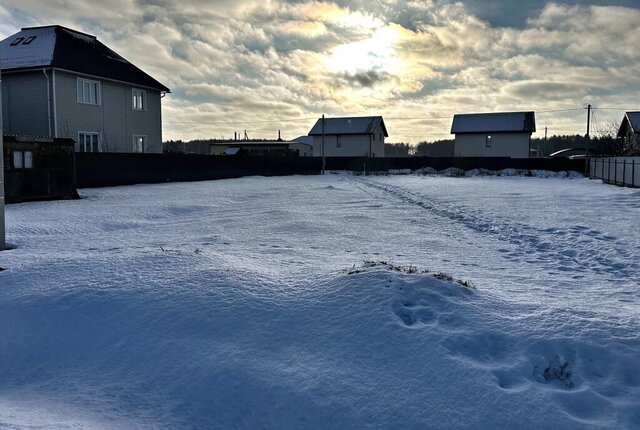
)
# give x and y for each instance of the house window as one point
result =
(488, 141)
(139, 143)
(17, 41)
(29, 39)
(88, 91)
(380, 137)
(22, 159)
(88, 142)
(338, 143)
(139, 99)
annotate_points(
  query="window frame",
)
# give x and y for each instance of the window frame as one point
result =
(145, 143)
(80, 92)
(138, 93)
(22, 159)
(488, 141)
(83, 142)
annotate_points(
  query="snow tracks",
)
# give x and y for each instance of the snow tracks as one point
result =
(577, 249)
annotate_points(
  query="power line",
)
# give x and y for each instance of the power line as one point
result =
(558, 110)
(618, 108)
(241, 122)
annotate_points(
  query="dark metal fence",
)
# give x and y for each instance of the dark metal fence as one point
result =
(622, 171)
(110, 169)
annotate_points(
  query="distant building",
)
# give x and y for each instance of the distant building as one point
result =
(302, 144)
(349, 137)
(502, 134)
(629, 131)
(253, 148)
(250, 147)
(61, 83)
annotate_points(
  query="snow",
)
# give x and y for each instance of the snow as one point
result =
(39, 52)
(332, 301)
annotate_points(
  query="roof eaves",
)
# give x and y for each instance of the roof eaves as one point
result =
(95, 77)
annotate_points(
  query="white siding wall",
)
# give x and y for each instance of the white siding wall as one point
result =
(514, 145)
(377, 146)
(114, 118)
(351, 145)
(304, 150)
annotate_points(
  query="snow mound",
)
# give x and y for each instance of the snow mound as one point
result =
(426, 171)
(371, 264)
(236, 304)
(455, 172)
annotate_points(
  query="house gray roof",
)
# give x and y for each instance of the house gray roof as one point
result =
(498, 122)
(349, 125)
(306, 140)
(65, 49)
(630, 122)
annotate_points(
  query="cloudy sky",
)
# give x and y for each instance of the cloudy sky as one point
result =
(264, 65)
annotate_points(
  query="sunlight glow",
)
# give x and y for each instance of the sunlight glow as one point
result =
(374, 53)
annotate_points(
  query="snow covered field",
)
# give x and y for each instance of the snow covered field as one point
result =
(302, 302)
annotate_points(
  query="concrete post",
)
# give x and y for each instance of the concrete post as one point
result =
(2, 230)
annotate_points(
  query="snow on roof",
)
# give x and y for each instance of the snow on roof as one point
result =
(497, 122)
(306, 140)
(232, 150)
(349, 125)
(63, 48)
(31, 47)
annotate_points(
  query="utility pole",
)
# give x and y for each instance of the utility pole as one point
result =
(586, 150)
(2, 229)
(323, 159)
(588, 119)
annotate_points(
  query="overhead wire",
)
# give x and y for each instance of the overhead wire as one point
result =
(596, 125)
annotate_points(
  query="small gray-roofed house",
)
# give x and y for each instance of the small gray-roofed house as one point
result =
(59, 82)
(349, 137)
(629, 131)
(630, 124)
(498, 134)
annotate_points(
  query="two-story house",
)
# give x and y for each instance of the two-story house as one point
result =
(361, 136)
(497, 134)
(58, 82)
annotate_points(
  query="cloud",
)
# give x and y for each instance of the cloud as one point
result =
(543, 90)
(261, 65)
(366, 79)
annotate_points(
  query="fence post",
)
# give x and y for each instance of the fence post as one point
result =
(615, 171)
(624, 172)
(633, 173)
(609, 170)
(602, 176)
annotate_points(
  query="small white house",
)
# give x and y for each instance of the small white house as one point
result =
(500, 134)
(302, 144)
(349, 137)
